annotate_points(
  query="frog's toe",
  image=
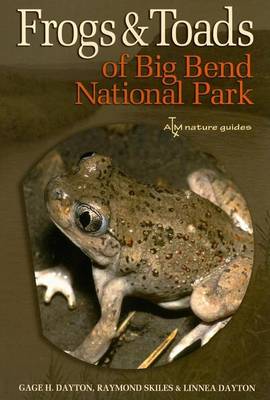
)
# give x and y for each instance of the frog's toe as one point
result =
(92, 349)
(201, 333)
(56, 280)
(49, 293)
(89, 358)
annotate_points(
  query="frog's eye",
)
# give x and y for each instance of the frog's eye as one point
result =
(87, 155)
(90, 220)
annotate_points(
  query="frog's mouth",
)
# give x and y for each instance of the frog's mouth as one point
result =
(104, 250)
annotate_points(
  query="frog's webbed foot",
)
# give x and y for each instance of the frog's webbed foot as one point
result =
(56, 280)
(202, 332)
(98, 341)
(217, 188)
(214, 299)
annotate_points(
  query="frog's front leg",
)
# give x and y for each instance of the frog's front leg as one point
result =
(214, 299)
(98, 341)
(101, 278)
(56, 280)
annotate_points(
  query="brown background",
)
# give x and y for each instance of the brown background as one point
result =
(36, 112)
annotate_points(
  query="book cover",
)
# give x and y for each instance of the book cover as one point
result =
(135, 200)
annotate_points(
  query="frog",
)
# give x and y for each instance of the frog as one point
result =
(185, 248)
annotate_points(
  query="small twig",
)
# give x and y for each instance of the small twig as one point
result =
(125, 323)
(163, 346)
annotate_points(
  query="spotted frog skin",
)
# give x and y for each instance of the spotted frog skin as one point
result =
(174, 248)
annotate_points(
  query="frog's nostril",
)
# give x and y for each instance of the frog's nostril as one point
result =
(57, 194)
